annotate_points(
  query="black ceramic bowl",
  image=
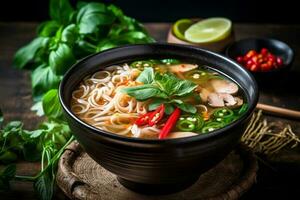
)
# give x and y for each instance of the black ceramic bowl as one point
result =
(276, 47)
(157, 166)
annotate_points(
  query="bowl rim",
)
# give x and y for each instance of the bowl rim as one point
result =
(98, 132)
(264, 39)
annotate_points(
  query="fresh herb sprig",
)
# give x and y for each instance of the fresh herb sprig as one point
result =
(164, 89)
(70, 35)
(46, 143)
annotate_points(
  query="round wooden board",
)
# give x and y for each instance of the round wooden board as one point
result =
(80, 177)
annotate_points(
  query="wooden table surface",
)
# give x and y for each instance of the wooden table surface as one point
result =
(278, 181)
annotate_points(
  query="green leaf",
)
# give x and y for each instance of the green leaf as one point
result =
(133, 37)
(44, 186)
(184, 87)
(155, 103)
(187, 107)
(7, 156)
(51, 104)
(7, 174)
(70, 34)
(48, 28)
(42, 80)
(144, 92)
(147, 76)
(38, 108)
(93, 15)
(61, 11)
(28, 52)
(169, 109)
(61, 59)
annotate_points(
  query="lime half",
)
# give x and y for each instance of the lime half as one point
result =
(180, 27)
(209, 30)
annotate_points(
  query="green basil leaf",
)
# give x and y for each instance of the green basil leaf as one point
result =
(155, 103)
(133, 37)
(187, 108)
(184, 87)
(83, 48)
(144, 92)
(61, 59)
(61, 11)
(42, 80)
(28, 52)
(93, 15)
(125, 23)
(177, 101)
(147, 76)
(51, 105)
(70, 34)
(48, 28)
(169, 109)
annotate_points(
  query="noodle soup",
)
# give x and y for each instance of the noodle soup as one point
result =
(158, 99)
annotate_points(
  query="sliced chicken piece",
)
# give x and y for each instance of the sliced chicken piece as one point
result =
(224, 86)
(181, 134)
(214, 100)
(181, 68)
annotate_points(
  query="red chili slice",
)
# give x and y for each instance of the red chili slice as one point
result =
(144, 119)
(156, 116)
(171, 122)
(151, 118)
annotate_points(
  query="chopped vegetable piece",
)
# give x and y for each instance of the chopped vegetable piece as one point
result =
(144, 119)
(151, 118)
(185, 125)
(157, 115)
(223, 113)
(171, 122)
(190, 123)
(141, 64)
(211, 126)
(170, 61)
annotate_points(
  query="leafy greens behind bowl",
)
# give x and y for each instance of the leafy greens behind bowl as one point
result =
(72, 34)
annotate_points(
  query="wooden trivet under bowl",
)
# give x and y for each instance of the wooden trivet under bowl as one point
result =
(80, 177)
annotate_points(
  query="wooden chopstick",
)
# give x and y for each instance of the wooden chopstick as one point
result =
(279, 111)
